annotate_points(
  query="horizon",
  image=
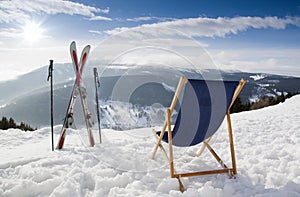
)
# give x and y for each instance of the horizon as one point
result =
(16, 77)
(257, 37)
(111, 66)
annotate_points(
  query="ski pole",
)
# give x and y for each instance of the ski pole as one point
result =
(97, 83)
(50, 70)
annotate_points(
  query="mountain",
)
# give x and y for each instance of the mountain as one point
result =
(33, 82)
(136, 92)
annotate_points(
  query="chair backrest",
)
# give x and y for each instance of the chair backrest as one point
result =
(202, 110)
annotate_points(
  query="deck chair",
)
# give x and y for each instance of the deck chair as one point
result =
(203, 108)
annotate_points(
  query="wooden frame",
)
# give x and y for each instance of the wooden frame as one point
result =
(167, 125)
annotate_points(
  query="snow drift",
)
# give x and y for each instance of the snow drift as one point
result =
(267, 145)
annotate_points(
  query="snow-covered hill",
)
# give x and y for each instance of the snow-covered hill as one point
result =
(267, 151)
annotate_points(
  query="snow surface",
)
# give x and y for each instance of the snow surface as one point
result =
(125, 116)
(267, 152)
(168, 88)
(258, 77)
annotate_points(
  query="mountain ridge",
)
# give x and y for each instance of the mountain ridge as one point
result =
(28, 99)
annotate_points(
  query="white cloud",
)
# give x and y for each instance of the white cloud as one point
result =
(7, 15)
(179, 52)
(145, 18)
(22, 60)
(177, 36)
(210, 27)
(96, 32)
(282, 61)
(18, 10)
(18, 58)
(149, 18)
(105, 11)
(10, 33)
(100, 18)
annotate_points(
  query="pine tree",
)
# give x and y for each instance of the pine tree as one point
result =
(11, 123)
(282, 97)
(238, 106)
(4, 123)
(22, 126)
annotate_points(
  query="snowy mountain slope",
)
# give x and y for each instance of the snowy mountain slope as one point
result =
(27, 98)
(267, 152)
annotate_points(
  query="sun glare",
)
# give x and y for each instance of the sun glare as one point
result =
(32, 32)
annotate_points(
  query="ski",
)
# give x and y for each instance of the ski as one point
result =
(73, 52)
(77, 89)
(82, 91)
(87, 115)
(68, 117)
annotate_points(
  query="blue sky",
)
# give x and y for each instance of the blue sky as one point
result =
(255, 36)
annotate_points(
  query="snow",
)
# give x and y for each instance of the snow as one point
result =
(2, 106)
(258, 77)
(267, 145)
(124, 116)
(280, 93)
(263, 85)
(168, 88)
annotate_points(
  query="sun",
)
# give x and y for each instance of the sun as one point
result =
(32, 32)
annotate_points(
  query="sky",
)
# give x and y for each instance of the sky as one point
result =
(250, 36)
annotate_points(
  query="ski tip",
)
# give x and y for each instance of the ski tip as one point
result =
(87, 47)
(73, 43)
(73, 48)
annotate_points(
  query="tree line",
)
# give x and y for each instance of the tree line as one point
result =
(10, 123)
(266, 101)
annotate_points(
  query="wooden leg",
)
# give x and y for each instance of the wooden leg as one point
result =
(203, 146)
(181, 187)
(231, 143)
(159, 140)
(170, 139)
(216, 156)
(160, 145)
(181, 82)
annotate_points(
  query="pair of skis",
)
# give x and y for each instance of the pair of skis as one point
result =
(78, 89)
